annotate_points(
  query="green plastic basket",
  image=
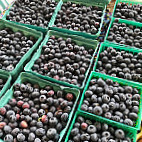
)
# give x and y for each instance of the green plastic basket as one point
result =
(26, 77)
(26, 32)
(99, 3)
(79, 40)
(136, 24)
(44, 30)
(7, 78)
(117, 47)
(122, 82)
(129, 2)
(130, 134)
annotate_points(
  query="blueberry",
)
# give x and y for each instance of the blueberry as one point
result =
(101, 82)
(21, 137)
(97, 110)
(64, 117)
(136, 103)
(106, 134)
(94, 99)
(84, 107)
(135, 109)
(15, 131)
(99, 89)
(76, 138)
(104, 127)
(74, 131)
(105, 107)
(94, 137)
(9, 113)
(122, 107)
(7, 129)
(116, 118)
(112, 105)
(42, 98)
(91, 129)
(51, 133)
(33, 129)
(26, 131)
(53, 121)
(88, 93)
(133, 116)
(108, 115)
(128, 89)
(8, 138)
(119, 134)
(128, 122)
(39, 124)
(59, 127)
(85, 137)
(41, 112)
(105, 98)
(136, 97)
(40, 132)
(80, 119)
(37, 140)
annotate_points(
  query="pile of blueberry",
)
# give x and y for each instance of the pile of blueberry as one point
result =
(112, 101)
(35, 114)
(86, 130)
(32, 12)
(120, 64)
(14, 45)
(2, 83)
(64, 60)
(79, 17)
(125, 34)
(129, 12)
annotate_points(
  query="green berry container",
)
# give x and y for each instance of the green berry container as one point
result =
(129, 2)
(100, 3)
(88, 44)
(41, 29)
(7, 77)
(26, 77)
(133, 23)
(119, 48)
(130, 133)
(27, 32)
(122, 82)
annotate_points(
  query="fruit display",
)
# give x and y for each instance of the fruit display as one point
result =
(129, 11)
(79, 17)
(114, 100)
(35, 113)
(64, 59)
(17, 45)
(38, 107)
(33, 12)
(13, 46)
(123, 33)
(84, 128)
(125, 63)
